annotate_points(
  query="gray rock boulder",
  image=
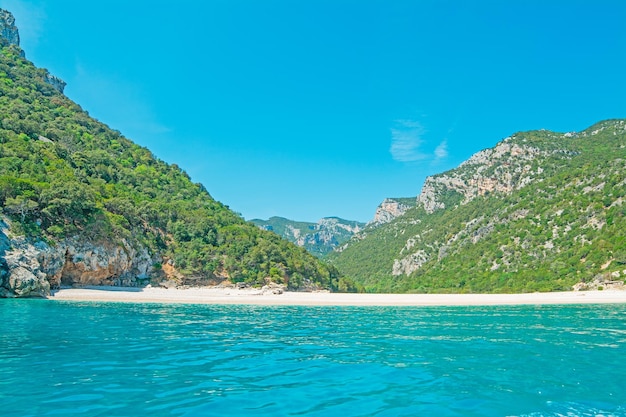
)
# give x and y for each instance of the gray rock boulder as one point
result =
(30, 268)
(20, 271)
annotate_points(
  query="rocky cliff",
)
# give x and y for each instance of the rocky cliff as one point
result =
(391, 208)
(539, 211)
(32, 267)
(55, 82)
(81, 204)
(8, 30)
(9, 33)
(507, 167)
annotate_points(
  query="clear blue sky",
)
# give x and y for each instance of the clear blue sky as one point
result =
(315, 108)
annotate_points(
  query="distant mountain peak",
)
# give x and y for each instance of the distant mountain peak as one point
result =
(318, 238)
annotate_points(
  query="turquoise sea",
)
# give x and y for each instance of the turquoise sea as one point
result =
(116, 359)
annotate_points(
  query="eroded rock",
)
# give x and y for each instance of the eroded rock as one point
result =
(31, 268)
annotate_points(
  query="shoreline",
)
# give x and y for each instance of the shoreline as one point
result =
(212, 295)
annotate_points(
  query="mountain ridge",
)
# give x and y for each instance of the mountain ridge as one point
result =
(83, 205)
(488, 225)
(319, 238)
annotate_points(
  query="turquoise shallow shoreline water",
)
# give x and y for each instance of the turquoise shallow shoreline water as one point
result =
(120, 359)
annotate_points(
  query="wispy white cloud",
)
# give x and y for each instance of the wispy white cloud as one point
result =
(409, 143)
(406, 140)
(441, 151)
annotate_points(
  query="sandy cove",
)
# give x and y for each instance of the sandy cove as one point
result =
(211, 295)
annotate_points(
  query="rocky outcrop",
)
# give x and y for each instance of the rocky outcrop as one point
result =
(31, 268)
(21, 273)
(55, 82)
(508, 167)
(10, 33)
(503, 169)
(511, 165)
(388, 210)
(331, 231)
(603, 282)
(411, 263)
(273, 288)
(8, 30)
(87, 264)
(324, 236)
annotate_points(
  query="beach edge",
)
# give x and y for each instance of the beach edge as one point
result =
(211, 295)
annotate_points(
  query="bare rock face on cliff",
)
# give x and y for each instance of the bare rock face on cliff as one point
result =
(30, 268)
(8, 30)
(81, 204)
(11, 35)
(391, 208)
(540, 211)
(511, 165)
(507, 167)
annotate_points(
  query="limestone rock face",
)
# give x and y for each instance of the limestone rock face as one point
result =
(10, 33)
(21, 274)
(330, 232)
(507, 167)
(8, 30)
(409, 264)
(388, 210)
(503, 169)
(87, 264)
(31, 268)
(56, 82)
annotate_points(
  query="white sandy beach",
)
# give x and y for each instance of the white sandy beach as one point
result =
(256, 297)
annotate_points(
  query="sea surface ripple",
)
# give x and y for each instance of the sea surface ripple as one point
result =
(118, 359)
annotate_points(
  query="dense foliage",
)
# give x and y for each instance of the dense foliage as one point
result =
(64, 174)
(564, 227)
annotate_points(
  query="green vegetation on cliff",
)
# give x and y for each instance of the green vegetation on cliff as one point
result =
(541, 211)
(65, 175)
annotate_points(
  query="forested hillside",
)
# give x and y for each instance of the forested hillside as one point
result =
(541, 211)
(81, 204)
(67, 180)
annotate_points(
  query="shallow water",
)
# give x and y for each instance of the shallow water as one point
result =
(117, 359)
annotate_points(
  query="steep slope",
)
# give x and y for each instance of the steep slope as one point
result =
(84, 205)
(540, 211)
(318, 238)
(390, 209)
